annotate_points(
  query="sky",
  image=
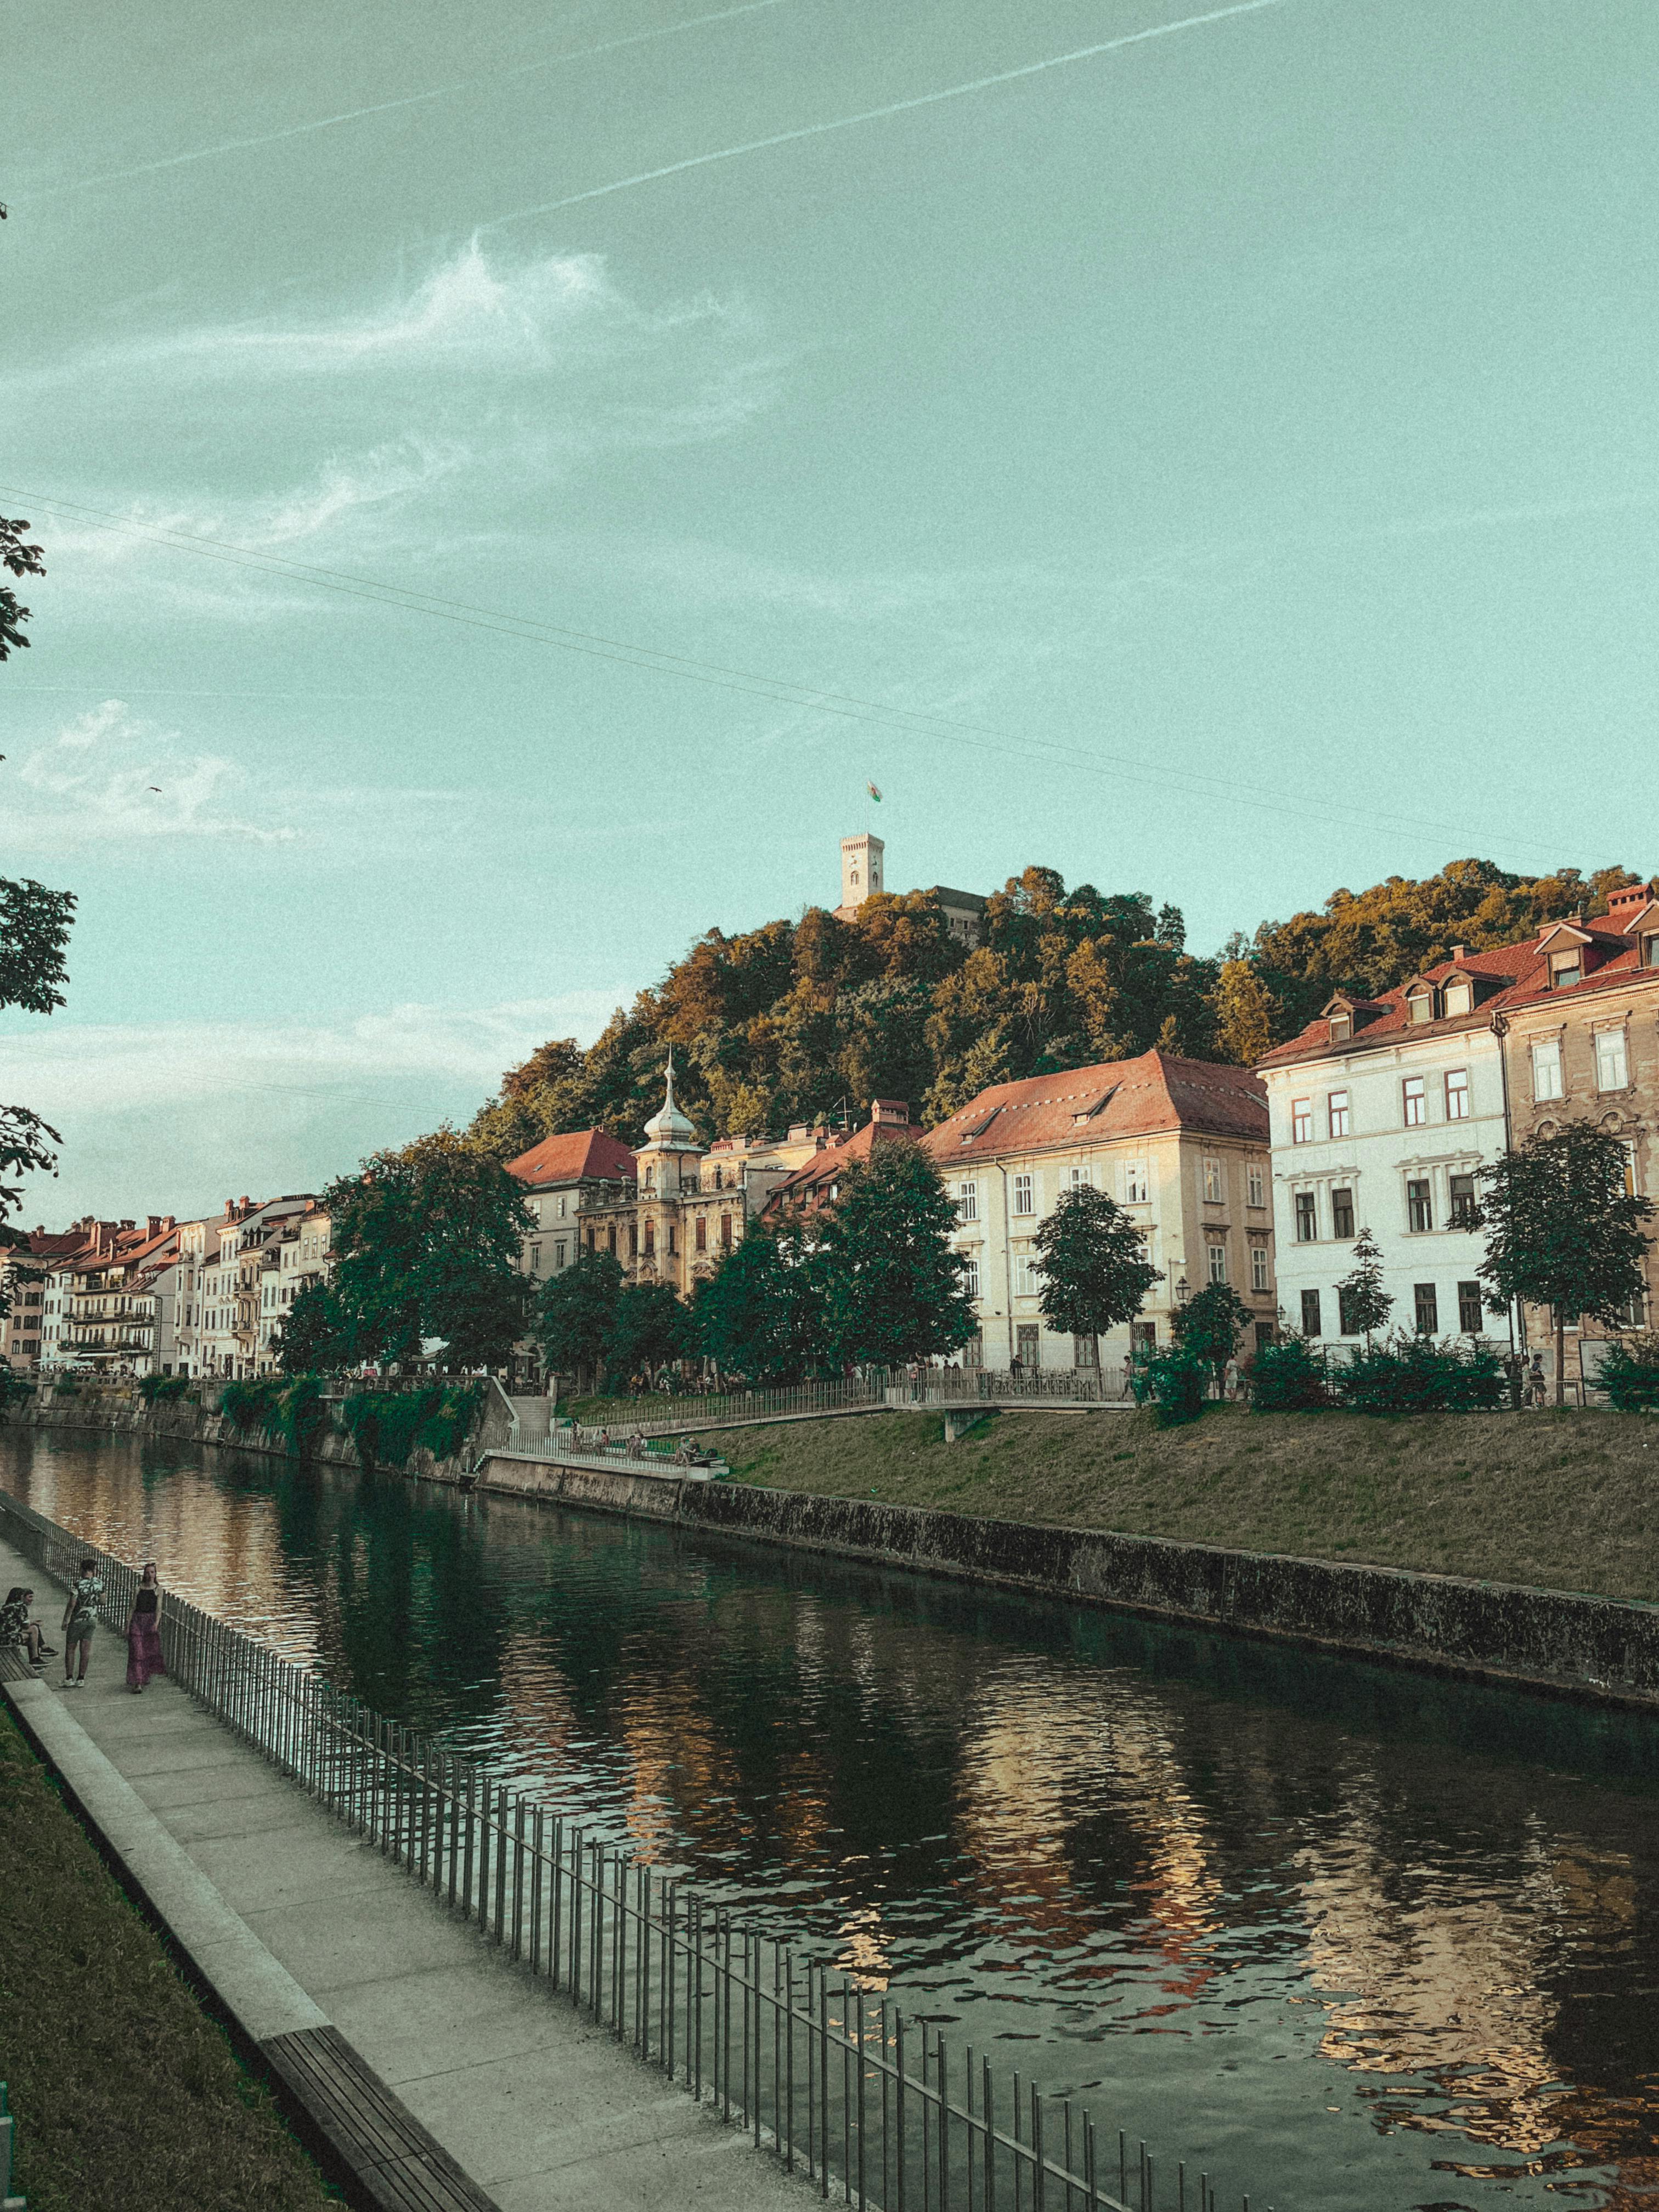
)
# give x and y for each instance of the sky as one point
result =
(511, 478)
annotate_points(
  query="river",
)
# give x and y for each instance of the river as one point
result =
(1365, 1940)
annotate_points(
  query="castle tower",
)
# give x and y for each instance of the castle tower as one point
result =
(860, 869)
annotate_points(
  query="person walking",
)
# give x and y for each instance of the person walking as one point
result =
(80, 1619)
(144, 1632)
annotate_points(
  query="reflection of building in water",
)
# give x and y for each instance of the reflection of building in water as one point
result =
(1060, 1766)
(1448, 1973)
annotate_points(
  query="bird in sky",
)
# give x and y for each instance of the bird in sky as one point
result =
(156, 788)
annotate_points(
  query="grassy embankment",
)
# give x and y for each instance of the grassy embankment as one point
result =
(1560, 1501)
(125, 2093)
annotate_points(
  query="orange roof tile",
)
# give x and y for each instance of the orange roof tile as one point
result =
(572, 1158)
(1156, 1092)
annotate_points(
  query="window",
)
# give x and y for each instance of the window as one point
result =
(1302, 1120)
(1347, 1325)
(1256, 1185)
(1547, 1069)
(1030, 1345)
(650, 1243)
(1260, 1280)
(726, 1232)
(1471, 1317)
(562, 1209)
(1342, 1216)
(1650, 951)
(968, 1201)
(972, 1353)
(673, 1240)
(1416, 1102)
(1611, 1071)
(1218, 1263)
(1459, 998)
(1134, 1182)
(1419, 1205)
(1336, 1108)
(1023, 1194)
(1081, 1178)
(1419, 1005)
(1025, 1275)
(1631, 1187)
(610, 1240)
(633, 1241)
(1307, 1216)
(1341, 1028)
(535, 1259)
(970, 1277)
(1462, 1201)
(1142, 1338)
(702, 1234)
(1567, 969)
(1428, 1309)
(1083, 1352)
(1310, 1325)
(1212, 1182)
(1458, 1094)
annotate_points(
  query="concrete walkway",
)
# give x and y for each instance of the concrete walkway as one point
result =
(541, 2108)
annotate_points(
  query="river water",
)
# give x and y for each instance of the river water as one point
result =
(1359, 1939)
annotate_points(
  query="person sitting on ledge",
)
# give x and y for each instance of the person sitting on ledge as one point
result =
(17, 1629)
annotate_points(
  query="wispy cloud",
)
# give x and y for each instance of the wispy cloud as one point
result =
(111, 774)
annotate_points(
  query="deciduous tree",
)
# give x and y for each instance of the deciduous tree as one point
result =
(1096, 1273)
(1362, 1302)
(575, 1315)
(1564, 1230)
(760, 1314)
(1210, 1325)
(894, 1289)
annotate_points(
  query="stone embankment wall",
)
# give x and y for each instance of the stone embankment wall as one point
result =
(1590, 1647)
(119, 1413)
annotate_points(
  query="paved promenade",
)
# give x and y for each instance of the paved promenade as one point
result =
(542, 2110)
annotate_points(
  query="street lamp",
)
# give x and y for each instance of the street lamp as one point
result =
(1183, 1291)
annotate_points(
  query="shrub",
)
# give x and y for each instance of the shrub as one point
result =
(1288, 1377)
(389, 1426)
(1173, 1382)
(162, 1389)
(1630, 1373)
(1415, 1374)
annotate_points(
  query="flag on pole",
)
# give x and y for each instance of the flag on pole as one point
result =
(873, 793)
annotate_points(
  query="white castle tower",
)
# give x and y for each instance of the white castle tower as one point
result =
(860, 869)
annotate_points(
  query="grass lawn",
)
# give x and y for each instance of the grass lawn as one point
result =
(126, 2095)
(1565, 1500)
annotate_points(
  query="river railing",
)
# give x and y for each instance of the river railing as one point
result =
(813, 2060)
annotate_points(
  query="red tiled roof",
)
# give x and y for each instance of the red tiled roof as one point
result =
(810, 1180)
(1115, 1098)
(1521, 971)
(571, 1158)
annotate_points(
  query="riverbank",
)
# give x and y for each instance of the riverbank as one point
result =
(125, 2091)
(1562, 1501)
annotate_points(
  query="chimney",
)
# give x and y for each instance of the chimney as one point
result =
(1460, 952)
(156, 1224)
(889, 1113)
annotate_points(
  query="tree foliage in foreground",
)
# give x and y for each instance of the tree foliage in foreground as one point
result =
(575, 1314)
(1562, 1230)
(1096, 1273)
(894, 1290)
(1210, 1324)
(760, 1314)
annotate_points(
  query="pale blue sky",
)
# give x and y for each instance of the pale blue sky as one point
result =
(1241, 442)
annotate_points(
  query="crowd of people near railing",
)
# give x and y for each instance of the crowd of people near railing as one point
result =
(20, 1631)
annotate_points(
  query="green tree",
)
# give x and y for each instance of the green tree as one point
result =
(19, 558)
(1563, 1232)
(1362, 1302)
(760, 1314)
(651, 1327)
(1248, 1016)
(575, 1315)
(1096, 1273)
(427, 1241)
(894, 1290)
(308, 1342)
(1210, 1325)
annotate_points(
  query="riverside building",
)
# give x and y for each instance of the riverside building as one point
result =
(1180, 1144)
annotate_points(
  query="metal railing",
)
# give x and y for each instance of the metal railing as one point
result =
(661, 1414)
(816, 2066)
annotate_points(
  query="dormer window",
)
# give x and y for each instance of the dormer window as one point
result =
(1419, 1003)
(1650, 951)
(1459, 996)
(1567, 969)
(1341, 1028)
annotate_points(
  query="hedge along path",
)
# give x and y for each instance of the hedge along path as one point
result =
(125, 2091)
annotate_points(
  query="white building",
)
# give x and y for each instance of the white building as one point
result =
(299, 1254)
(1382, 1113)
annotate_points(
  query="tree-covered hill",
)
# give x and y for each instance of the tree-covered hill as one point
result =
(791, 1021)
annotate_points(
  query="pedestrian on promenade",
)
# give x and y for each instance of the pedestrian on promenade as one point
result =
(16, 1629)
(80, 1619)
(144, 1632)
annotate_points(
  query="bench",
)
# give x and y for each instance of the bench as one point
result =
(366, 2129)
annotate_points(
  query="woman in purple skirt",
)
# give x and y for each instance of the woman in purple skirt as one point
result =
(144, 1632)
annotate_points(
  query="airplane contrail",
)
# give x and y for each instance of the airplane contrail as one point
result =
(386, 107)
(894, 107)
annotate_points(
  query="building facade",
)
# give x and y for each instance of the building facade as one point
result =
(1180, 1144)
(1385, 1109)
(301, 1253)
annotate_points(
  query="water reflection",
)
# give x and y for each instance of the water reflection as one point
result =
(1365, 1939)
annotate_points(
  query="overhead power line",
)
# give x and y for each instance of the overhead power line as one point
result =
(780, 690)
